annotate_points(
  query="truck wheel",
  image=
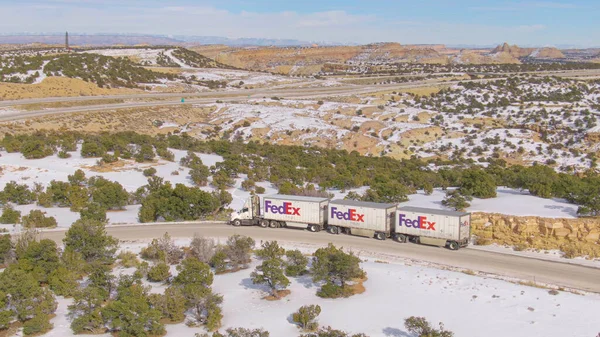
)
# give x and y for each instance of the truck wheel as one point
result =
(380, 236)
(312, 228)
(263, 223)
(401, 238)
(453, 245)
(237, 222)
(333, 230)
(274, 224)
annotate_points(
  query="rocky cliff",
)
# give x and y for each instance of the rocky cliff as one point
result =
(574, 237)
(517, 52)
(310, 60)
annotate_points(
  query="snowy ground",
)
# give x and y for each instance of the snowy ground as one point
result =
(145, 55)
(233, 77)
(508, 201)
(396, 290)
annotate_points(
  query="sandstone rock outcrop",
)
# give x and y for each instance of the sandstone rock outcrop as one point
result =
(574, 237)
(310, 60)
(516, 51)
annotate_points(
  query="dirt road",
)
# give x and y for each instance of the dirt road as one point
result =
(560, 274)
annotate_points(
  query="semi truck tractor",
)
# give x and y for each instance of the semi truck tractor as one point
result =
(361, 218)
(432, 227)
(283, 211)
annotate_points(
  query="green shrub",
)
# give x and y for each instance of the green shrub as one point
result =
(330, 290)
(90, 323)
(455, 200)
(142, 270)
(64, 154)
(128, 260)
(171, 304)
(38, 325)
(10, 215)
(159, 273)
(94, 211)
(63, 282)
(296, 263)
(92, 149)
(6, 246)
(419, 326)
(36, 149)
(149, 172)
(18, 194)
(219, 261)
(37, 219)
(305, 317)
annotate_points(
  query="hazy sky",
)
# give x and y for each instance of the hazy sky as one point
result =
(359, 21)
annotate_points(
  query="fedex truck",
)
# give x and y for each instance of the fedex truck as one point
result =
(361, 218)
(432, 227)
(376, 220)
(283, 211)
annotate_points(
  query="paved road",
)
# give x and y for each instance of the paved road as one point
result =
(201, 98)
(560, 274)
(268, 92)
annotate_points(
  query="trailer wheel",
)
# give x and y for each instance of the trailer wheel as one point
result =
(312, 228)
(333, 230)
(237, 222)
(453, 245)
(274, 224)
(263, 223)
(401, 238)
(380, 236)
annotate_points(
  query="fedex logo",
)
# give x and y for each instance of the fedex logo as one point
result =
(464, 224)
(286, 208)
(420, 222)
(348, 215)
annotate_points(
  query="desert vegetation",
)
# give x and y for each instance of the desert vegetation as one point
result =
(289, 167)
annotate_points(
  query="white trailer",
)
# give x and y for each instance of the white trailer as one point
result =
(433, 227)
(283, 211)
(361, 218)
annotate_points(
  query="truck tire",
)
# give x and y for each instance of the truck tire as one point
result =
(380, 236)
(453, 245)
(237, 222)
(401, 238)
(263, 223)
(274, 224)
(313, 228)
(333, 230)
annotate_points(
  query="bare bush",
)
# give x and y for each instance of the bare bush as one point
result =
(163, 249)
(203, 248)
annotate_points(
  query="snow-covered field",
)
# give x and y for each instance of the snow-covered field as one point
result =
(234, 77)
(508, 201)
(470, 306)
(145, 55)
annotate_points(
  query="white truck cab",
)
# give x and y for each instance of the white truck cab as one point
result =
(283, 211)
(249, 213)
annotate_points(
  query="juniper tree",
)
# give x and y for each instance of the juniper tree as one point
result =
(270, 272)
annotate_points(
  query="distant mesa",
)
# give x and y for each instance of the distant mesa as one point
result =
(518, 52)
